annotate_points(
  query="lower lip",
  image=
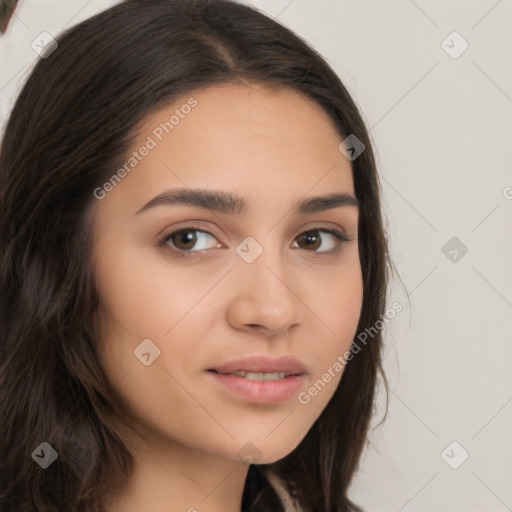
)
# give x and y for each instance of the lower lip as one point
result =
(261, 391)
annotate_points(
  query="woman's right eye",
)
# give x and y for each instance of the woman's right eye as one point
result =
(184, 239)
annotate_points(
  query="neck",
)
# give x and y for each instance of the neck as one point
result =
(176, 478)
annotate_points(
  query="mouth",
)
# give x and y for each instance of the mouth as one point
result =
(262, 367)
(258, 376)
(258, 387)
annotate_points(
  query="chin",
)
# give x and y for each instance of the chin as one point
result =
(266, 451)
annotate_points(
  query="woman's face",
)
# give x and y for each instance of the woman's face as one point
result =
(261, 283)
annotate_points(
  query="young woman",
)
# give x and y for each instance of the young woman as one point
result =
(191, 243)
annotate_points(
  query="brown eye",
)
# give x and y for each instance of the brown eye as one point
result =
(185, 240)
(312, 239)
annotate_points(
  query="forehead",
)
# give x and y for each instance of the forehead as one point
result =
(262, 141)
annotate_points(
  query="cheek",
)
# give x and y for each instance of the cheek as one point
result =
(145, 294)
(338, 304)
(337, 308)
(343, 305)
(147, 298)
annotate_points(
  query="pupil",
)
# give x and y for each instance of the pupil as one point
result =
(187, 237)
(311, 238)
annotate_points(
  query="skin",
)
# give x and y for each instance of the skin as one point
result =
(273, 147)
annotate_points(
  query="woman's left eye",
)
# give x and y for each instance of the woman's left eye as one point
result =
(183, 240)
(314, 241)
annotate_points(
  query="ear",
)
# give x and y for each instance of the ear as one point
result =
(7, 8)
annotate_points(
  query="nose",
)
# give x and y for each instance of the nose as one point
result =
(264, 299)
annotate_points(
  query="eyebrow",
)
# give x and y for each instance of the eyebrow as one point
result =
(231, 204)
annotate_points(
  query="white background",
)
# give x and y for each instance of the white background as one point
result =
(442, 130)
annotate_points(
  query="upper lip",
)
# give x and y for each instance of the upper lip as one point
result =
(288, 364)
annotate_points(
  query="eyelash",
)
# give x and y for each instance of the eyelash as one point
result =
(163, 242)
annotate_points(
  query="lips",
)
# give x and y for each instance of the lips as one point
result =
(259, 379)
(289, 365)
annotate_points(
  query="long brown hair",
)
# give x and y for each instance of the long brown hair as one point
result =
(7, 8)
(72, 123)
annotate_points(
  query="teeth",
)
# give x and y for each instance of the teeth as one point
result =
(260, 375)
